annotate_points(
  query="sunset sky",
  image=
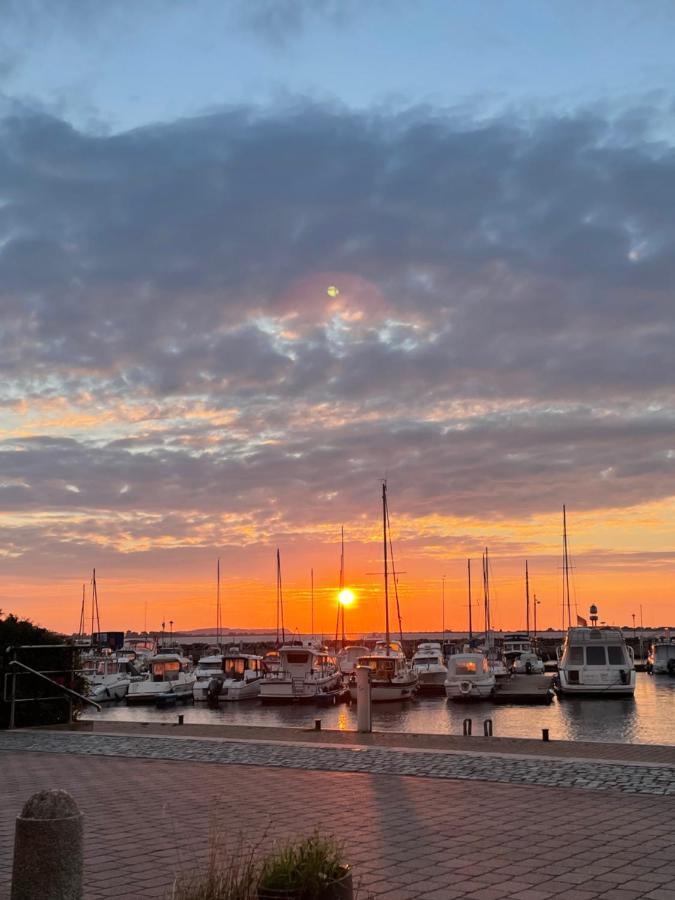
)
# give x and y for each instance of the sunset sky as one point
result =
(490, 186)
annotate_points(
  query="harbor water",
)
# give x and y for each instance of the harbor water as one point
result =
(646, 719)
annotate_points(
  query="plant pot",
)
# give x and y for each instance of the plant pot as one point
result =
(340, 889)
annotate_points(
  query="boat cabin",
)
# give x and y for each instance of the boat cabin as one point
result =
(594, 649)
(242, 668)
(515, 644)
(466, 664)
(166, 667)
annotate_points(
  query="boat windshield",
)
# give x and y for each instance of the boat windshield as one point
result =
(427, 661)
(381, 666)
(211, 666)
(467, 667)
(166, 671)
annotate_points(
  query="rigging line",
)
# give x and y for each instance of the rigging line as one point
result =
(393, 570)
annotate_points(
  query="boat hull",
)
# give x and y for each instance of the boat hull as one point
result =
(431, 682)
(466, 691)
(382, 692)
(610, 688)
(150, 692)
(281, 690)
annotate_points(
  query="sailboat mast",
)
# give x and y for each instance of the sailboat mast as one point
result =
(468, 569)
(566, 574)
(311, 581)
(486, 597)
(341, 607)
(218, 638)
(94, 607)
(386, 571)
(527, 599)
(278, 615)
(82, 615)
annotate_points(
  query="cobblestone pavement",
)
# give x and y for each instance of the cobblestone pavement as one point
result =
(408, 838)
(628, 777)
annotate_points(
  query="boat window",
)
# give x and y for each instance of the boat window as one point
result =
(296, 659)
(234, 668)
(616, 656)
(165, 671)
(210, 666)
(427, 661)
(576, 656)
(595, 656)
(468, 667)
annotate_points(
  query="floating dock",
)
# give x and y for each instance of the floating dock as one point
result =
(525, 689)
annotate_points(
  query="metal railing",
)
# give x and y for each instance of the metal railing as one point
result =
(11, 678)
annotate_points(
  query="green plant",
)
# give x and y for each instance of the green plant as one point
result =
(303, 868)
(229, 876)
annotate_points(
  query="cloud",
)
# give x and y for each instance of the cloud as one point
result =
(502, 339)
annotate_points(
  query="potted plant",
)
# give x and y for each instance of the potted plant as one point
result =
(309, 869)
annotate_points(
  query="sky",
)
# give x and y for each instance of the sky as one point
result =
(491, 188)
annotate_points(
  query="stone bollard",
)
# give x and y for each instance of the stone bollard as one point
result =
(317, 724)
(466, 727)
(364, 723)
(487, 728)
(544, 734)
(48, 849)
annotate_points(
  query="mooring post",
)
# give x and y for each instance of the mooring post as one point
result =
(544, 734)
(180, 719)
(364, 720)
(317, 724)
(48, 849)
(466, 727)
(487, 728)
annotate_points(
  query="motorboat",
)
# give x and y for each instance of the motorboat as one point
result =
(349, 656)
(597, 662)
(391, 675)
(661, 659)
(239, 678)
(469, 677)
(429, 665)
(169, 679)
(208, 667)
(112, 676)
(306, 672)
(513, 645)
(528, 663)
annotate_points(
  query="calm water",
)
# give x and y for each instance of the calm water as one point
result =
(648, 719)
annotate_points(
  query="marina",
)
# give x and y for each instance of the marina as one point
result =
(645, 719)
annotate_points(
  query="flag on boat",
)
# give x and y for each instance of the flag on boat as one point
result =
(581, 621)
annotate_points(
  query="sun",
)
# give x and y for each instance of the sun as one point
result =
(346, 597)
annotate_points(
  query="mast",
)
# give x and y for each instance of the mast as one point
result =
(486, 597)
(443, 609)
(311, 579)
(527, 599)
(218, 616)
(468, 567)
(340, 621)
(280, 603)
(80, 633)
(94, 607)
(566, 574)
(386, 571)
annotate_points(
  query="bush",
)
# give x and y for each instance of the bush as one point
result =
(303, 868)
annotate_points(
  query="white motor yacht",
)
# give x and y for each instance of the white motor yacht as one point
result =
(169, 679)
(391, 676)
(469, 677)
(207, 667)
(661, 659)
(595, 662)
(348, 658)
(429, 666)
(306, 672)
(515, 644)
(528, 663)
(239, 678)
(112, 677)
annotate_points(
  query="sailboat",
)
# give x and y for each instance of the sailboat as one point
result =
(348, 655)
(301, 670)
(593, 661)
(391, 677)
(495, 661)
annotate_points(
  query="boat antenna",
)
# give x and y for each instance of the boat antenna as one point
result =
(468, 569)
(566, 574)
(386, 570)
(395, 577)
(94, 606)
(527, 599)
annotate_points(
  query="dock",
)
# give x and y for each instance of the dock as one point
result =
(531, 689)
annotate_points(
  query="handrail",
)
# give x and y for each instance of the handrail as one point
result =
(15, 662)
